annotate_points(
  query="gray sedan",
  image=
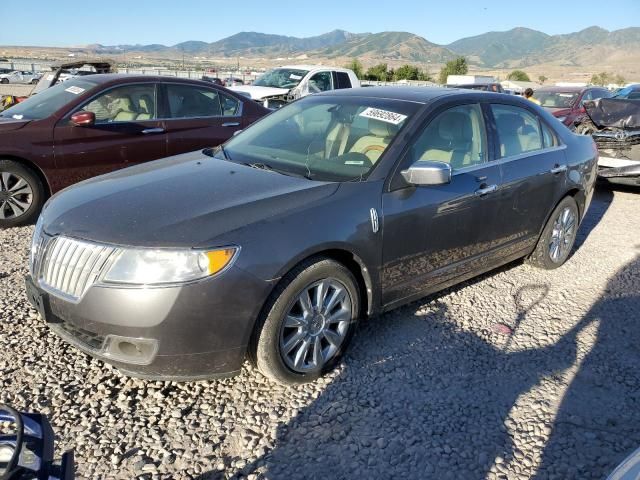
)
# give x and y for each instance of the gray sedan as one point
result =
(339, 206)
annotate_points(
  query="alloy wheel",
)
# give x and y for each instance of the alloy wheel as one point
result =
(316, 325)
(16, 196)
(562, 235)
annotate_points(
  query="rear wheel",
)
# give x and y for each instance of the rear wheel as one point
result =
(21, 194)
(558, 236)
(309, 322)
(34, 81)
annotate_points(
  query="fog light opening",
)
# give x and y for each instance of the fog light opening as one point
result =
(139, 351)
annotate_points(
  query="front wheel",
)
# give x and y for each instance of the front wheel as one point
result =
(558, 236)
(4, 80)
(308, 323)
(21, 194)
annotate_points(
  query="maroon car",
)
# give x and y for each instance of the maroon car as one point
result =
(566, 103)
(95, 124)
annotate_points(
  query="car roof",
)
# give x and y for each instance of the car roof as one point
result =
(409, 94)
(104, 78)
(573, 89)
(314, 67)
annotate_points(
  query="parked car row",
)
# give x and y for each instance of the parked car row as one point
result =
(273, 245)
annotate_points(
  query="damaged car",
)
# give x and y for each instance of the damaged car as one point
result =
(614, 124)
(277, 87)
(59, 73)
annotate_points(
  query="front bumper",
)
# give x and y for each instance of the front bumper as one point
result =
(198, 331)
(617, 170)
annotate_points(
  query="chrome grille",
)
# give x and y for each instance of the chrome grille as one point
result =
(69, 267)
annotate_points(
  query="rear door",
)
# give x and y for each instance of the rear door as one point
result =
(533, 171)
(198, 117)
(126, 132)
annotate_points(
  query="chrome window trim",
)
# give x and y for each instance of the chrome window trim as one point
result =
(503, 160)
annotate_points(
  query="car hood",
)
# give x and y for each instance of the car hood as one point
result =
(259, 93)
(10, 124)
(184, 201)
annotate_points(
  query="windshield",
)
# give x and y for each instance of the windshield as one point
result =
(48, 101)
(281, 78)
(556, 99)
(322, 138)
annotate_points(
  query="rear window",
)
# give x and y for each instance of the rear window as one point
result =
(342, 80)
(45, 103)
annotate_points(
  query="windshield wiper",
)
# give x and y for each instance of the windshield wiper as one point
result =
(269, 168)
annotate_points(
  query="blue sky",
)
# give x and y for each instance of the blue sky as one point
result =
(111, 22)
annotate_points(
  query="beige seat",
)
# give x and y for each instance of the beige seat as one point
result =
(450, 140)
(125, 111)
(509, 132)
(146, 108)
(372, 145)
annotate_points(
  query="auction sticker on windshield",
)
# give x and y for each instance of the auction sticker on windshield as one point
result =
(383, 115)
(74, 90)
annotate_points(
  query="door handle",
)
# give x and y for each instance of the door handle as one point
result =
(148, 131)
(485, 190)
(558, 169)
(231, 124)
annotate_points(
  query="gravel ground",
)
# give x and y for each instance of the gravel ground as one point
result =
(15, 89)
(519, 374)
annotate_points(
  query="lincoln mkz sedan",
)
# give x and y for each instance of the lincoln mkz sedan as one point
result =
(91, 125)
(339, 206)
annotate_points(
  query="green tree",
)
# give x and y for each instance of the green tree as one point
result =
(357, 68)
(542, 79)
(602, 78)
(378, 73)
(518, 76)
(406, 72)
(454, 67)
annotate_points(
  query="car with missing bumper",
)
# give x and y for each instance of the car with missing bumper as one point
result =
(614, 124)
(283, 85)
(338, 206)
(567, 103)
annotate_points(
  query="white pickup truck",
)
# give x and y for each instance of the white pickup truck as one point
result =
(282, 85)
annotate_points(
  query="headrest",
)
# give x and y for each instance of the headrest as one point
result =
(378, 128)
(455, 126)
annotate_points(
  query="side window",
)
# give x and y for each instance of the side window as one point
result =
(186, 101)
(128, 103)
(518, 130)
(320, 82)
(230, 106)
(456, 136)
(343, 80)
(548, 136)
(588, 95)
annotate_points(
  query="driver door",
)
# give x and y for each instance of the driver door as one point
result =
(435, 234)
(126, 132)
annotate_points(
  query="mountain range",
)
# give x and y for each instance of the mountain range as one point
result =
(518, 47)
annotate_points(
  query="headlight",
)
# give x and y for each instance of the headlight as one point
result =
(35, 244)
(166, 267)
(561, 119)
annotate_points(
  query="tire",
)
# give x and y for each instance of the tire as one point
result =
(21, 194)
(34, 82)
(558, 237)
(306, 332)
(4, 80)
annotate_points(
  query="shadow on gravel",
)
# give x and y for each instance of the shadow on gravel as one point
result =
(420, 398)
(602, 199)
(598, 423)
(433, 405)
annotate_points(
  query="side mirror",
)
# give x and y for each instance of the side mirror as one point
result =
(425, 172)
(83, 119)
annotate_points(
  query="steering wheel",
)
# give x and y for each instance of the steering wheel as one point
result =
(376, 148)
